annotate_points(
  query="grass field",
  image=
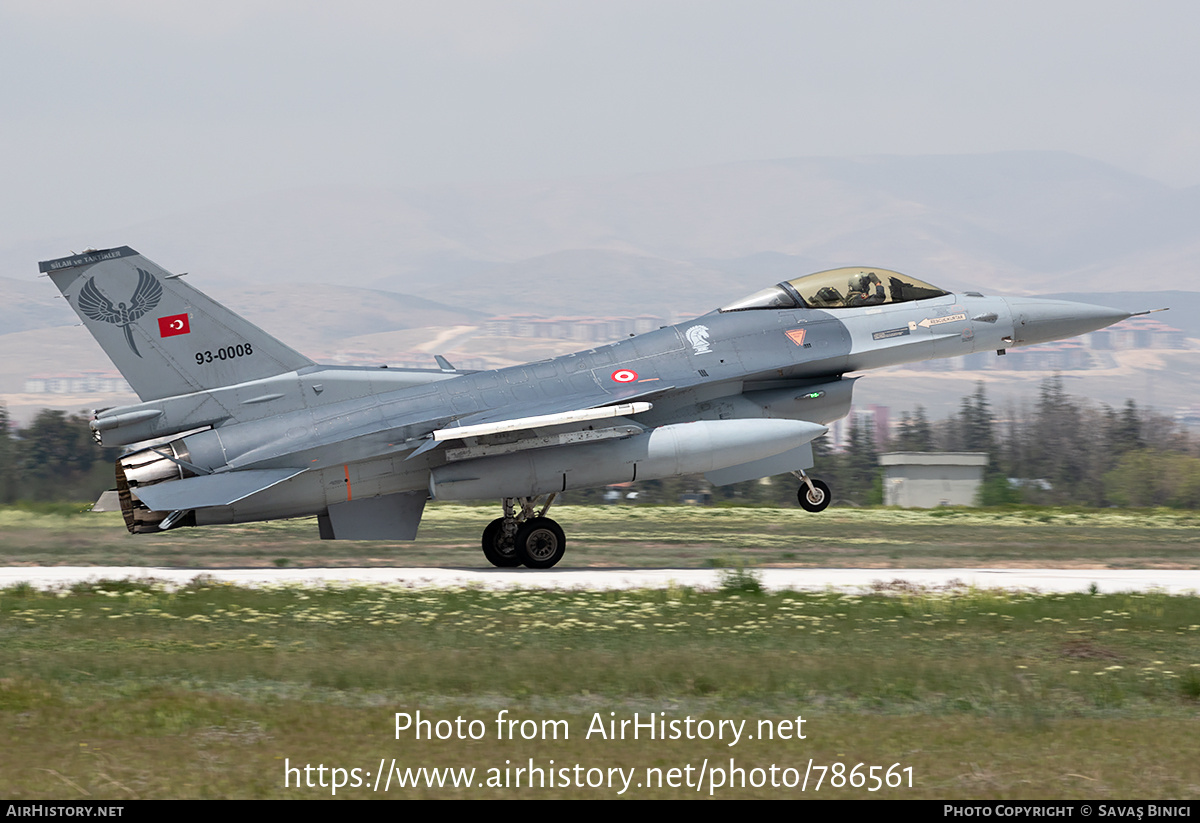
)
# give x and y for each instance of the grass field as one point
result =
(649, 536)
(126, 690)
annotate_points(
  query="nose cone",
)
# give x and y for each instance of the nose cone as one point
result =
(1040, 321)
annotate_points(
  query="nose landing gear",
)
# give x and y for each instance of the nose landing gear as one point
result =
(814, 495)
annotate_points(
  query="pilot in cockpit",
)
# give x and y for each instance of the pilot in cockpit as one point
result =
(864, 290)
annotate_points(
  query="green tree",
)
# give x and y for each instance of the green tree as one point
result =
(59, 460)
(1148, 477)
(915, 434)
(8, 459)
(1126, 432)
(862, 478)
(1059, 442)
(976, 423)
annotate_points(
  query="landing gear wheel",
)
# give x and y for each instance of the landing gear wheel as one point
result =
(540, 543)
(814, 500)
(496, 549)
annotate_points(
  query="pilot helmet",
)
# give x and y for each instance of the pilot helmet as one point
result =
(863, 282)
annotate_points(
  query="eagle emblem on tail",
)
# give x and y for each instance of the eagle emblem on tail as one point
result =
(94, 305)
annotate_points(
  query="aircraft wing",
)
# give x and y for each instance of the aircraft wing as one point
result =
(566, 414)
(567, 403)
(211, 489)
(540, 421)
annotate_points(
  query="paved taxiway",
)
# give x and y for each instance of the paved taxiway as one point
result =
(849, 580)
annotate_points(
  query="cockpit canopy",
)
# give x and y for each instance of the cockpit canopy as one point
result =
(847, 288)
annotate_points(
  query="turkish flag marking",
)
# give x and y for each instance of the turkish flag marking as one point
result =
(796, 336)
(173, 325)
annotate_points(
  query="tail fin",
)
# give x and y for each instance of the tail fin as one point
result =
(165, 337)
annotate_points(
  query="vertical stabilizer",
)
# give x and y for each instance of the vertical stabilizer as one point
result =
(164, 336)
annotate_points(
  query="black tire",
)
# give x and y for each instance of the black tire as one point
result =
(540, 543)
(495, 549)
(811, 502)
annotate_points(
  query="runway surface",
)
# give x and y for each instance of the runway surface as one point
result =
(847, 580)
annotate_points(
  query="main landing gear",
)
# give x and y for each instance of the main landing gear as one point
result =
(523, 538)
(814, 495)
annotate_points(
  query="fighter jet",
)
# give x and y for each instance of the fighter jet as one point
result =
(234, 426)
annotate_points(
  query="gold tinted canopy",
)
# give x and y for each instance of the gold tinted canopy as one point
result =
(845, 288)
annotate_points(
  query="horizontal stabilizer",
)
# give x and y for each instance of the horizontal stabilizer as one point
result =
(110, 501)
(211, 489)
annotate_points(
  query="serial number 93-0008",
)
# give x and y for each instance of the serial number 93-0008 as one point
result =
(227, 353)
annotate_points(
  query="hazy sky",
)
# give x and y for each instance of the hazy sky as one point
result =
(115, 112)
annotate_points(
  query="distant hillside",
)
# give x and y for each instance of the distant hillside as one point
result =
(587, 282)
(32, 304)
(314, 317)
(1016, 222)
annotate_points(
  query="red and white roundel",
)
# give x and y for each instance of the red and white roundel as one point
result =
(624, 376)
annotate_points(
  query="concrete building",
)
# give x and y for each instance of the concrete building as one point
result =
(924, 480)
(81, 383)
